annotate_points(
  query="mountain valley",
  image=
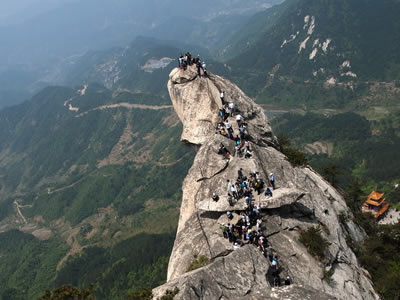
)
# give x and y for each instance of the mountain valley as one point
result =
(92, 166)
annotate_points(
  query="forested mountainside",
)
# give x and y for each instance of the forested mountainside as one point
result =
(327, 74)
(39, 41)
(313, 54)
(357, 156)
(90, 168)
(139, 68)
(334, 63)
(90, 177)
(95, 170)
(367, 151)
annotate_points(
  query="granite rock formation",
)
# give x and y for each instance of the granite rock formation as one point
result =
(302, 199)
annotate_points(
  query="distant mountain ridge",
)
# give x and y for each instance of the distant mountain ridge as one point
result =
(330, 43)
(107, 24)
(36, 49)
(92, 171)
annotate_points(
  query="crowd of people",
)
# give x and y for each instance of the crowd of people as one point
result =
(244, 186)
(187, 59)
(249, 228)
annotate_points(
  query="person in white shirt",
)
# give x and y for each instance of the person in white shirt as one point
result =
(239, 119)
(222, 97)
(228, 126)
(231, 106)
(236, 246)
(272, 180)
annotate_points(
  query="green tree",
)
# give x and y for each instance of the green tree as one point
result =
(314, 242)
(68, 292)
(10, 294)
(330, 172)
(294, 156)
(199, 262)
(170, 295)
(354, 197)
(142, 294)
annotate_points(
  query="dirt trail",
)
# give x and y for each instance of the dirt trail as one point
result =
(127, 105)
(19, 213)
(74, 244)
(130, 105)
(49, 192)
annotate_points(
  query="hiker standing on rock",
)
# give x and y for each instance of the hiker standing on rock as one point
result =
(272, 180)
(240, 174)
(230, 199)
(222, 97)
(221, 114)
(203, 66)
(180, 60)
(215, 197)
(232, 189)
(229, 186)
(198, 66)
(231, 106)
(242, 131)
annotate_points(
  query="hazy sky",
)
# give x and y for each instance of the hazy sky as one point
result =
(34, 31)
(39, 37)
(16, 11)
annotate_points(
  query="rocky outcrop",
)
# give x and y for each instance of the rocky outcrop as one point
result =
(226, 278)
(302, 199)
(196, 101)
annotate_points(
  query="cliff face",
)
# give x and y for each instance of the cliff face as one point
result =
(302, 199)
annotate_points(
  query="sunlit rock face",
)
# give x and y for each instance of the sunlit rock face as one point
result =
(302, 199)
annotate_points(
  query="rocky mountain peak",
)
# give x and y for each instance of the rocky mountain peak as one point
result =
(301, 199)
(197, 101)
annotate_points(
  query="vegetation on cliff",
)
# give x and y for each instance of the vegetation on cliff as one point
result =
(361, 150)
(363, 158)
(92, 180)
(314, 242)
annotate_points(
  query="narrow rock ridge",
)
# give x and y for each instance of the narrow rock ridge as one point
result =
(302, 199)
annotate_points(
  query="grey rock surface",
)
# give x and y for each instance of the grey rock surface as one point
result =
(239, 275)
(302, 199)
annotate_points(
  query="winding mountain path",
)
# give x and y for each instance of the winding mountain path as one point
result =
(127, 105)
(19, 213)
(49, 191)
(130, 105)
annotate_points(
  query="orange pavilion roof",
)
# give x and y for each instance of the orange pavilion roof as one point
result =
(376, 199)
(383, 209)
(375, 196)
(374, 202)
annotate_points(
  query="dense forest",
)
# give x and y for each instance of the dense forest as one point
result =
(361, 150)
(115, 272)
(363, 157)
(103, 183)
